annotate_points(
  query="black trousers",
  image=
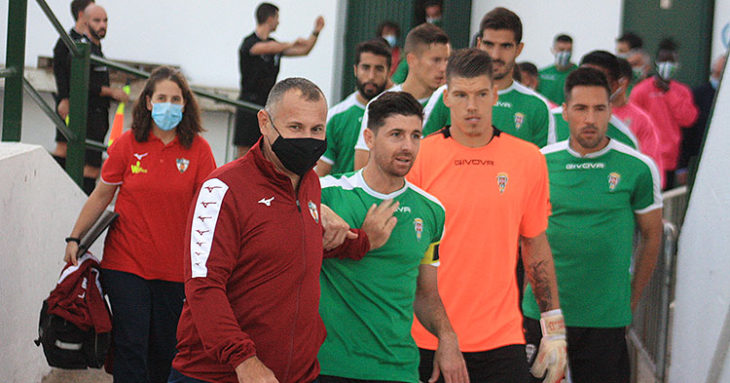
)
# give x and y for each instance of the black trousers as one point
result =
(595, 355)
(145, 313)
(506, 364)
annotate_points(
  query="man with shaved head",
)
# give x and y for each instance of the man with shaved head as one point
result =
(92, 22)
(252, 267)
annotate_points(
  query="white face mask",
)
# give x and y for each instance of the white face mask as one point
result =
(667, 69)
(391, 39)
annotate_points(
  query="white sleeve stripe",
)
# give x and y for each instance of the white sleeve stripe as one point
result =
(649, 208)
(110, 183)
(326, 160)
(205, 218)
(432, 101)
(657, 189)
(623, 128)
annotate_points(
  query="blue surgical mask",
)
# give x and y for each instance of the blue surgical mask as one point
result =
(167, 115)
(715, 82)
(391, 39)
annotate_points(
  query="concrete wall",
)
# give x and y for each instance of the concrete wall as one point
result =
(702, 294)
(202, 37)
(592, 24)
(38, 205)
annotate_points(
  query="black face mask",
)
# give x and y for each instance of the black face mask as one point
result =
(298, 155)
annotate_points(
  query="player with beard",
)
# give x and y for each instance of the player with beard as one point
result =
(367, 305)
(602, 193)
(372, 65)
(100, 93)
(519, 111)
(427, 50)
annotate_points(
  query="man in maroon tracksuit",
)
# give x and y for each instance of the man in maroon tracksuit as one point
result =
(256, 246)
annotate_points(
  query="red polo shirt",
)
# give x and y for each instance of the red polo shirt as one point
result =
(157, 183)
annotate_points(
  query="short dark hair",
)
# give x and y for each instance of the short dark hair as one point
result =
(469, 63)
(605, 60)
(377, 47)
(585, 77)
(78, 6)
(264, 11)
(424, 35)
(528, 67)
(632, 39)
(388, 24)
(563, 38)
(624, 67)
(390, 104)
(309, 90)
(502, 18)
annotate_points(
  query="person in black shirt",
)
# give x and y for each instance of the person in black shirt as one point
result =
(94, 24)
(258, 60)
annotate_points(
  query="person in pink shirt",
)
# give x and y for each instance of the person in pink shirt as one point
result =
(640, 123)
(669, 103)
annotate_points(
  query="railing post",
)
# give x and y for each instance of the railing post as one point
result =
(78, 109)
(15, 62)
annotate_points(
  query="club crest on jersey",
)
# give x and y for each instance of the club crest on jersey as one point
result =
(418, 226)
(313, 211)
(613, 180)
(519, 119)
(182, 164)
(502, 179)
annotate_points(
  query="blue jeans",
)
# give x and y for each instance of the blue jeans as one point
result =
(145, 315)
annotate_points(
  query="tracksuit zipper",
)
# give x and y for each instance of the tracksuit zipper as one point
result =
(299, 290)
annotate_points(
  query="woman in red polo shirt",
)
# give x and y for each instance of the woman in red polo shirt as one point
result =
(157, 166)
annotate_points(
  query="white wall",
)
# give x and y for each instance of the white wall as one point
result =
(38, 206)
(201, 36)
(702, 293)
(592, 24)
(721, 28)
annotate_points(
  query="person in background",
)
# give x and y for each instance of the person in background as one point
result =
(259, 57)
(92, 19)
(630, 47)
(390, 32)
(427, 50)
(434, 12)
(670, 104)
(601, 192)
(552, 78)
(528, 75)
(520, 111)
(640, 123)
(372, 60)
(157, 166)
(704, 96)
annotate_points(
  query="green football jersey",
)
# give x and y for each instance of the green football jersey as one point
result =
(591, 230)
(616, 130)
(367, 304)
(519, 112)
(343, 127)
(401, 72)
(552, 83)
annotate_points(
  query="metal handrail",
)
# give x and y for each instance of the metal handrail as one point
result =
(59, 123)
(202, 93)
(59, 28)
